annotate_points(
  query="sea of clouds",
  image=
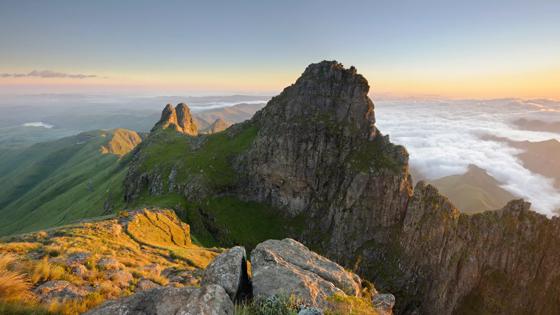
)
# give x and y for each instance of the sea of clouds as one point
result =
(443, 137)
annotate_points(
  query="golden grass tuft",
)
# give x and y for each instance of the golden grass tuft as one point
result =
(44, 271)
(13, 285)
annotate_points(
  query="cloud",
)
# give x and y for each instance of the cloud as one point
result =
(46, 74)
(444, 137)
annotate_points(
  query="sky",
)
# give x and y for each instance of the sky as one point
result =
(466, 49)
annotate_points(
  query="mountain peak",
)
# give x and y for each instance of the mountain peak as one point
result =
(325, 94)
(178, 118)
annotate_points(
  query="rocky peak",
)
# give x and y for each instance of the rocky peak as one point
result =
(178, 118)
(314, 138)
(327, 93)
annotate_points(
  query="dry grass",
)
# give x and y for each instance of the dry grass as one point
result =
(13, 285)
(44, 271)
(77, 307)
(157, 238)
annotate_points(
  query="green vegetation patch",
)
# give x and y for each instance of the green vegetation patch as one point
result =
(60, 182)
(228, 221)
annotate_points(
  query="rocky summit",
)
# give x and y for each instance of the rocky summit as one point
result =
(178, 118)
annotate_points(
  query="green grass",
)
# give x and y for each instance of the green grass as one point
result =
(208, 157)
(228, 221)
(59, 182)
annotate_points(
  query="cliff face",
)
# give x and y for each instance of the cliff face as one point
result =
(495, 262)
(318, 155)
(314, 154)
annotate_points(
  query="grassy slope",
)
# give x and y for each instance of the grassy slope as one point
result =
(58, 182)
(136, 240)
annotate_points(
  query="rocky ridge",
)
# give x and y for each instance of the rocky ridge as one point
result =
(317, 156)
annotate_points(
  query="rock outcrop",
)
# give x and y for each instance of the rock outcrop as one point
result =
(229, 270)
(206, 300)
(122, 141)
(59, 291)
(288, 267)
(178, 118)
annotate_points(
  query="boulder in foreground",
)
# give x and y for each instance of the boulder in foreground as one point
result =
(229, 270)
(210, 299)
(288, 267)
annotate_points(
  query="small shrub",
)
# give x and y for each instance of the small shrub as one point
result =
(341, 304)
(274, 305)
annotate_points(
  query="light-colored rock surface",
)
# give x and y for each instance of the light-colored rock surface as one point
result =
(207, 300)
(288, 267)
(228, 270)
(59, 290)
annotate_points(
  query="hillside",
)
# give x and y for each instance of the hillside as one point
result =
(76, 267)
(54, 183)
(474, 191)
